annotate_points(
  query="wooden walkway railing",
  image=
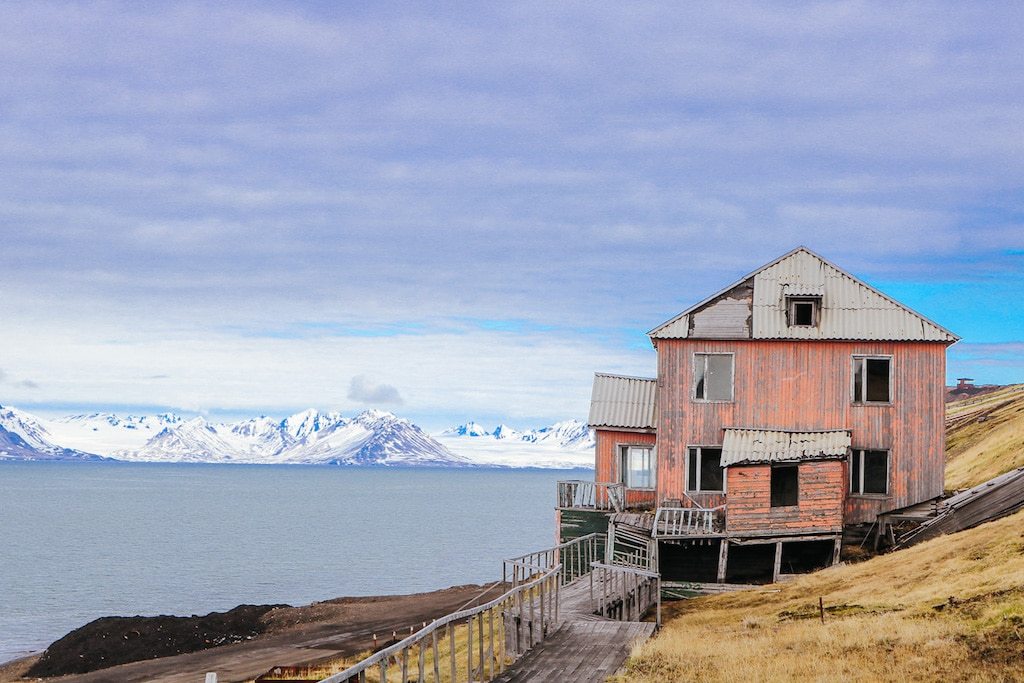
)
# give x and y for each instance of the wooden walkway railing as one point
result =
(574, 556)
(492, 636)
(591, 495)
(624, 593)
(672, 522)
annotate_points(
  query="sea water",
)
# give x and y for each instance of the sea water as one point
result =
(84, 540)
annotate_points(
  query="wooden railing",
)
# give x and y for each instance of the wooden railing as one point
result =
(624, 593)
(677, 521)
(591, 495)
(631, 548)
(574, 556)
(492, 635)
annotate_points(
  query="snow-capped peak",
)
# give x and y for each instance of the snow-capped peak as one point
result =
(468, 429)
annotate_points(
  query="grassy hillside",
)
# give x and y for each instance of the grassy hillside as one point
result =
(950, 609)
(984, 436)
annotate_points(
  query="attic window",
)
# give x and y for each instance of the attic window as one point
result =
(803, 311)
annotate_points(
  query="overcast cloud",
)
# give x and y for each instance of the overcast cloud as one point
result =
(488, 202)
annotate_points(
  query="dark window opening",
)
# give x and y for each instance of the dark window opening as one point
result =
(803, 312)
(750, 563)
(785, 489)
(806, 556)
(689, 560)
(869, 472)
(871, 380)
(705, 470)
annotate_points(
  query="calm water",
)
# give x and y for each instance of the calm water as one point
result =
(79, 541)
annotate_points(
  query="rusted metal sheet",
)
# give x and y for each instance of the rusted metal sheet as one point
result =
(806, 387)
(623, 402)
(767, 445)
(850, 308)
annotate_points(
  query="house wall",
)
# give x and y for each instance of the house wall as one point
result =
(805, 385)
(821, 486)
(607, 463)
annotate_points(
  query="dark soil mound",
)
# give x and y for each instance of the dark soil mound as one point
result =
(108, 641)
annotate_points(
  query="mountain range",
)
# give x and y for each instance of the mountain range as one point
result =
(372, 437)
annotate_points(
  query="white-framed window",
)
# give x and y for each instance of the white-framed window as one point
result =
(869, 471)
(712, 377)
(704, 469)
(637, 466)
(803, 311)
(872, 379)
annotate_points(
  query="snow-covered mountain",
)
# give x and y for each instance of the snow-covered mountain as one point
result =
(25, 437)
(570, 434)
(567, 444)
(310, 437)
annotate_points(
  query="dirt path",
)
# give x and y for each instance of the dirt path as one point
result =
(299, 635)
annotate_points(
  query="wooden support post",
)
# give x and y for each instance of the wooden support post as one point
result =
(469, 650)
(405, 665)
(437, 660)
(491, 650)
(723, 559)
(451, 648)
(838, 549)
(778, 561)
(422, 664)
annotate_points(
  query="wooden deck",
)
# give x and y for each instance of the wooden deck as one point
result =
(586, 648)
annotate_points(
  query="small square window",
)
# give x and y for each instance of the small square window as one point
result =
(803, 312)
(637, 467)
(869, 472)
(785, 485)
(871, 379)
(712, 376)
(705, 470)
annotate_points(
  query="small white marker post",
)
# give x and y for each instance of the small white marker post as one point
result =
(211, 677)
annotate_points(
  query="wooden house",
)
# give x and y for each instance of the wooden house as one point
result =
(794, 403)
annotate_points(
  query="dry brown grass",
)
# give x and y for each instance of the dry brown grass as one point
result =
(951, 609)
(985, 437)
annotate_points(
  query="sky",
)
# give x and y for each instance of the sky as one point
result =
(457, 211)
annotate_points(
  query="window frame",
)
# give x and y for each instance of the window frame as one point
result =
(698, 448)
(624, 469)
(853, 379)
(791, 304)
(693, 376)
(859, 454)
(780, 466)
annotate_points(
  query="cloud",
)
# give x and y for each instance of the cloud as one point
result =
(362, 390)
(26, 384)
(5, 378)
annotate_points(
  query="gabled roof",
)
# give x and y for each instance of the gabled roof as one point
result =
(754, 307)
(622, 402)
(772, 445)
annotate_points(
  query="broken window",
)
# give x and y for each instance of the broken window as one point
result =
(712, 376)
(785, 488)
(705, 470)
(638, 467)
(803, 312)
(871, 379)
(869, 472)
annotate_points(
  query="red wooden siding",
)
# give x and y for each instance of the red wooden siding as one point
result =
(805, 385)
(607, 463)
(821, 489)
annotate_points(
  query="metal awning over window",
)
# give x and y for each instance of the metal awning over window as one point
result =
(741, 446)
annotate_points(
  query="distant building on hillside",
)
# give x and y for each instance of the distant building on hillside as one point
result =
(964, 383)
(794, 403)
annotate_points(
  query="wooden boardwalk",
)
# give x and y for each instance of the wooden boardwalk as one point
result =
(586, 648)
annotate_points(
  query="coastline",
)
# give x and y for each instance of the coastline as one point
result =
(311, 634)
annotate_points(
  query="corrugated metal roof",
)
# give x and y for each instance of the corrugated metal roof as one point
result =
(803, 289)
(850, 308)
(768, 445)
(623, 402)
